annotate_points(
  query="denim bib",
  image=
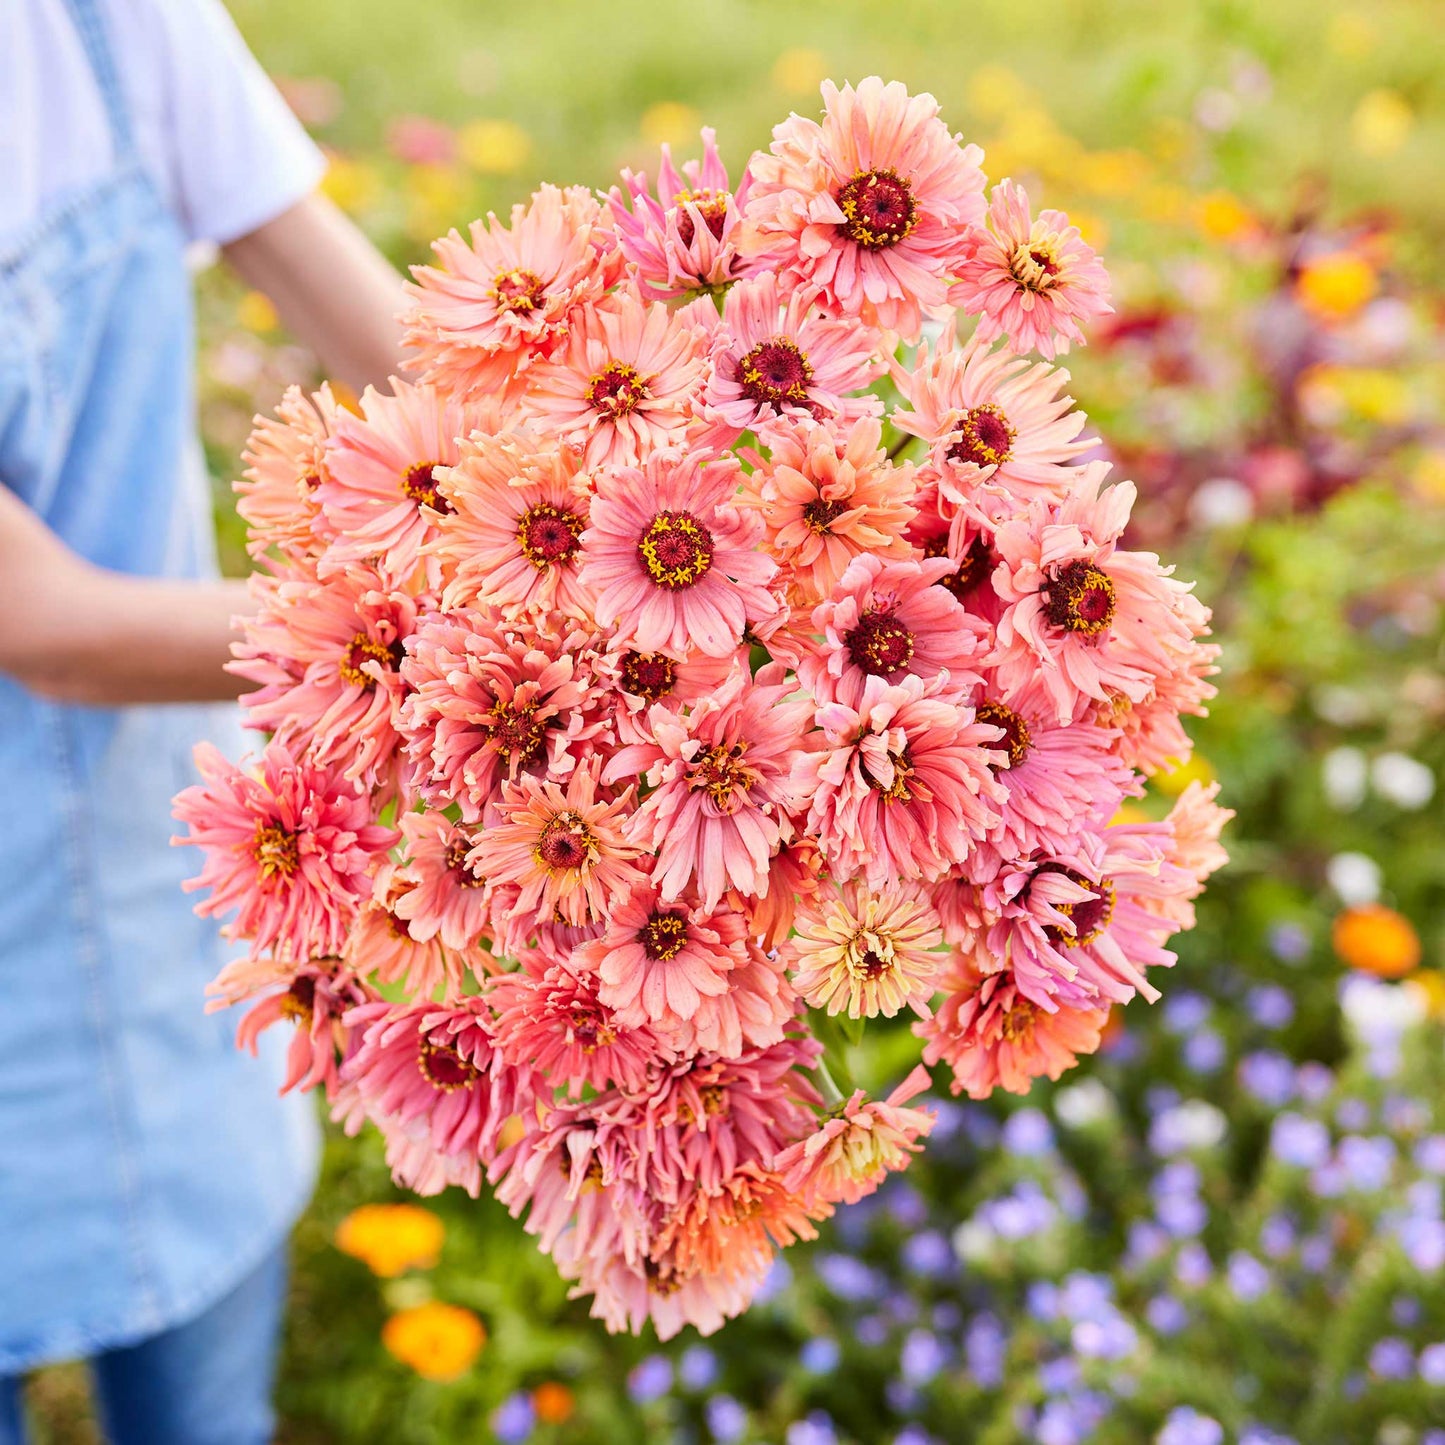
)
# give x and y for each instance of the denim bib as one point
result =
(146, 1165)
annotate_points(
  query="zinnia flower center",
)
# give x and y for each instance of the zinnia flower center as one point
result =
(517, 731)
(1018, 1022)
(298, 1003)
(712, 206)
(820, 515)
(517, 291)
(648, 674)
(1034, 264)
(880, 643)
(1090, 916)
(565, 844)
(977, 563)
(878, 207)
(714, 1099)
(775, 372)
(869, 963)
(590, 1033)
(617, 390)
(676, 549)
(664, 934)
(898, 790)
(276, 851)
(444, 1068)
(548, 535)
(420, 485)
(1079, 598)
(363, 649)
(722, 774)
(1015, 740)
(456, 860)
(985, 438)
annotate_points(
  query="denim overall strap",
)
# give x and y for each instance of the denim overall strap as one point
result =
(90, 26)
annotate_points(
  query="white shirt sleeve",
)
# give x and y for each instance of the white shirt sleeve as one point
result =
(208, 118)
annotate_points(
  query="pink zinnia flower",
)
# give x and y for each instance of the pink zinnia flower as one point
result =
(684, 240)
(992, 418)
(513, 293)
(1087, 620)
(992, 1036)
(825, 498)
(795, 872)
(443, 897)
(774, 354)
(942, 529)
(1195, 823)
(488, 702)
(512, 537)
(624, 385)
(285, 464)
(1033, 281)
(876, 206)
(290, 847)
(864, 952)
(719, 779)
(902, 787)
(381, 945)
(567, 850)
(672, 562)
(889, 620)
(326, 655)
(855, 1147)
(380, 492)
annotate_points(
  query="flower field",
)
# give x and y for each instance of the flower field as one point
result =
(1227, 1226)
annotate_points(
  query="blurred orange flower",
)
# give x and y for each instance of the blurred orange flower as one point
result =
(1377, 940)
(390, 1239)
(1334, 287)
(439, 1341)
(553, 1402)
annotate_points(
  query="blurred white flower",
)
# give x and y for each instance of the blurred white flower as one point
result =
(1378, 1012)
(1344, 772)
(1194, 1124)
(1221, 502)
(1402, 780)
(1355, 877)
(1087, 1102)
(974, 1241)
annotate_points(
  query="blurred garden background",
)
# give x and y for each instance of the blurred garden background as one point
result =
(1228, 1226)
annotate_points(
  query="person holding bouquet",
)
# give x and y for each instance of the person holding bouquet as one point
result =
(148, 1174)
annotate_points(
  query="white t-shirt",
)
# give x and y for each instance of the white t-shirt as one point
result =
(214, 133)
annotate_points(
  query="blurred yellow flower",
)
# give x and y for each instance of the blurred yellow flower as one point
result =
(1092, 227)
(1335, 286)
(256, 313)
(553, 1402)
(800, 71)
(1129, 813)
(670, 122)
(436, 197)
(1112, 173)
(494, 147)
(1430, 984)
(1174, 782)
(1164, 202)
(1350, 35)
(438, 1341)
(1427, 476)
(1375, 939)
(993, 91)
(391, 1238)
(1222, 216)
(353, 185)
(1327, 393)
(1381, 123)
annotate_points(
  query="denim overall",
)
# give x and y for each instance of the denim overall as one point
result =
(146, 1166)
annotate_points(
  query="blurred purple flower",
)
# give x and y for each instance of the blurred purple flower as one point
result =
(923, 1355)
(903, 1398)
(1058, 1377)
(650, 1379)
(777, 1279)
(1352, 1114)
(929, 1254)
(1271, 1005)
(513, 1419)
(1404, 1115)
(1368, 1160)
(815, 1428)
(1186, 1426)
(848, 1278)
(1392, 1359)
(1192, 1267)
(903, 1204)
(1316, 1252)
(1277, 1236)
(698, 1367)
(1405, 1311)
(1431, 1364)
(820, 1355)
(1147, 1241)
(1204, 1052)
(1315, 1080)
(1027, 1132)
(871, 1331)
(1248, 1278)
(984, 1348)
(1301, 1142)
(1042, 1299)
(1289, 942)
(1184, 1012)
(1086, 1296)
(726, 1419)
(1430, 1154)
(1166, 1314)
(1269, 1076)
(1110, 1337)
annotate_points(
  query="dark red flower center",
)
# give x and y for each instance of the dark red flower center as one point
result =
(1018, 1022)
(878, 208)
(775, 373)
(548, 535)
(873, 965)
(648, 674)
(298, 1003)
(711, 205)
(276, 851)
(444, 1068)
(1015, 740)
(517, 731)
(1090, 916)
(664, 934)
(517, 291)
(976, 564)
(898, 791)
(565, 844)
(1034, 265)
(984, 438)
(820, 514)
(420, 485)
(590, 1032)
(880, 643)
(462, 872)
(1079, 598)
(676, 549)
(722, 774)
(617, 390)
(363, 649)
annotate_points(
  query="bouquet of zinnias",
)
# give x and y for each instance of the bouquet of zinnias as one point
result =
(642, 722)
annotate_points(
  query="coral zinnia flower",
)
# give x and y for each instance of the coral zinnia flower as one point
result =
(684, 240)
(672, 563)
(443, 897)
(855, 1147)
(865, 953)
(825, 497)
(991, 417)
(624, 385)
(291, 847)
(1033, 281)
(876, 206)
(890, 620)
(902, 787)
(566, 850)
(513, 293)
(380, 492)
(775, 354)
(1195, 823)
(514, 531)
(993, 1036)
(719, 781)
(381, 944)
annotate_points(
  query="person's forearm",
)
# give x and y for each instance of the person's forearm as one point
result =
(330, 286)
